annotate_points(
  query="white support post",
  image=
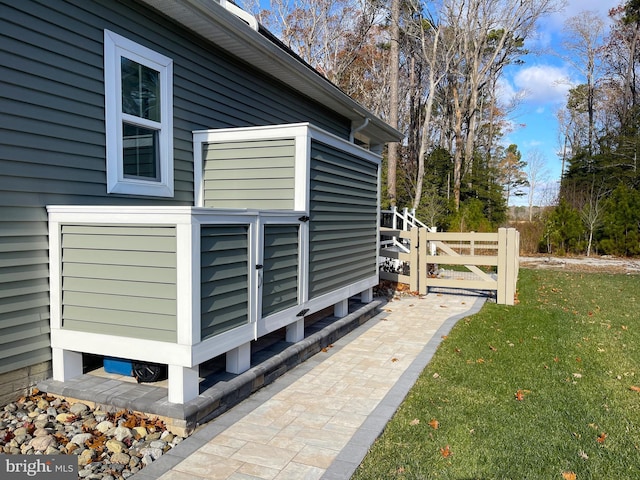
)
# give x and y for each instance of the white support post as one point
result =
(67, 364)
(341, 309)
(239, 359)
(367, 296)
(183, 383)
(295, 331)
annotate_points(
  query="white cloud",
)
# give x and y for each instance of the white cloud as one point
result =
(575, 7)
(543, 84)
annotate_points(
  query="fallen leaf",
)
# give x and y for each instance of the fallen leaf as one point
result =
(556, 359)
(569, 476)
(400, 470)
(583, 455)
(394, 359)
(415, 421)
(480, 360)
(602, 437)
(436, 375)
(624, 327)
(446, 452)
(519, 395)
(577, 375)
(634, 388)
(434, 424)
(492, 348)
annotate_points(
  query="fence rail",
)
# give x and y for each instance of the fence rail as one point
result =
(496, 253)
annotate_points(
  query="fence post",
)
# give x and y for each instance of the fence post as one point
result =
(502, 266)
(422, 255)
(511, 274)
(414, 259)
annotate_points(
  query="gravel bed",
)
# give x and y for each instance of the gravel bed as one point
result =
(109, 446)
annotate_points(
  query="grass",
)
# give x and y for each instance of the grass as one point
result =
(541, 390)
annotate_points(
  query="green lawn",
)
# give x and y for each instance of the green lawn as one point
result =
(541, 390)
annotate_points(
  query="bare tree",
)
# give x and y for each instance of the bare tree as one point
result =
(585, 34)
(592, 210)
(437, 58)
(537, 174)
(488, 35)
(392, 157)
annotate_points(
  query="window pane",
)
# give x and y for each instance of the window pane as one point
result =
(140, 90)
(140, 152)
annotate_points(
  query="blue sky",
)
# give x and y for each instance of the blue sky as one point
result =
(545, 81)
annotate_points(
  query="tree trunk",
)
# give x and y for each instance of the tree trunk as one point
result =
(392, 160)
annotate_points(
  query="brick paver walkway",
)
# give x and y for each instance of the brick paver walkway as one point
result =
(318, 420)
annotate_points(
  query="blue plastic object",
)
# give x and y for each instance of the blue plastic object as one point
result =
(119, 366)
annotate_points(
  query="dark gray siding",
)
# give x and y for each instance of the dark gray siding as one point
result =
(53, 140)
(120, 280)
(343, 225)
(280, 273)
(250, 174)
(224, 278)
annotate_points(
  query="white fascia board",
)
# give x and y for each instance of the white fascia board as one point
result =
(123, 347)
(222, 343)
(55, 275)
(331, 298)
(335, 141)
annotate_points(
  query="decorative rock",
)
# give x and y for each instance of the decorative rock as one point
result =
(154, 453)
(120, 458)
(115, 446)
(80, 438)
(78, 408)
(65, 417)
(121, 433)
(42, 424)
(86, 456)
(42, 443)
(153, 436)
(139, 432)
(38, 426)
(104, 426)
(158, 444)
(52, 451)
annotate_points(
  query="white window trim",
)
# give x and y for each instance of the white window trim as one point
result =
(115, 47)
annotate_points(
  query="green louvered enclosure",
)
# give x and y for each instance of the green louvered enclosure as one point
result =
(120, 280)
(250, 174)
(285, 225)
(343, 214)
(224, 278)
(280, 269)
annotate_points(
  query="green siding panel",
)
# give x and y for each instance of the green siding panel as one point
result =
(52, 124)
(120, 280)
(250, 174)
(343, 224)
(224, 278)
(280, 268)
